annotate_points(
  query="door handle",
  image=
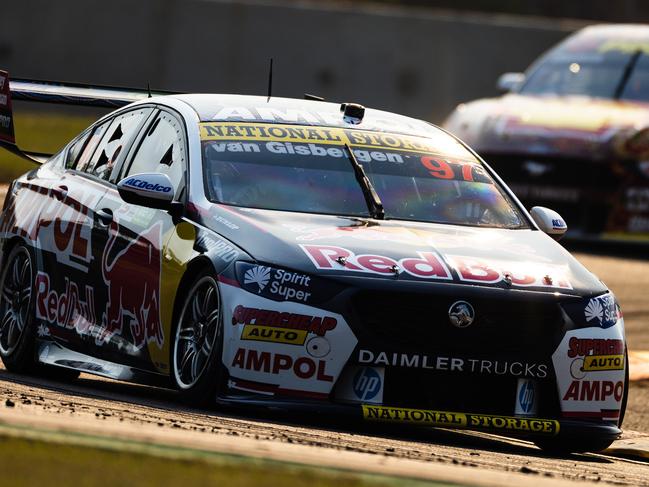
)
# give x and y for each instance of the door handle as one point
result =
(105, 216)
(60, 192)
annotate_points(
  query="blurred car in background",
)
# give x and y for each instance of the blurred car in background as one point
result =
(572, 132)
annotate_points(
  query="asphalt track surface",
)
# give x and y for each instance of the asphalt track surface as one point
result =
(119, 410)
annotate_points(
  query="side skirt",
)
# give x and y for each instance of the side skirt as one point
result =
(52, 353)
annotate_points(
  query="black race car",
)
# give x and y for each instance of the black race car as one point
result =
(303, 254)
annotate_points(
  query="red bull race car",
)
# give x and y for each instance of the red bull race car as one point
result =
(573, 132)
(307, 256)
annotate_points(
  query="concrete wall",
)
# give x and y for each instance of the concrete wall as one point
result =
(417, 62)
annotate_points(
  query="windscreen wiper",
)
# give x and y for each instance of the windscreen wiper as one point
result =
(371, 197)
(626, 74)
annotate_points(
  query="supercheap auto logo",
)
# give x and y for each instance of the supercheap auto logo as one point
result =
(280, 327)
(460, 420)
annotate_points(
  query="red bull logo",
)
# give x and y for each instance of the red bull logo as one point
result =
(133, 280)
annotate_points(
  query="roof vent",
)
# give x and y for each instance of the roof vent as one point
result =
(352, 112)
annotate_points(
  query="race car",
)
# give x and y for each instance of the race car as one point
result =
(307, 256)
(573, 132)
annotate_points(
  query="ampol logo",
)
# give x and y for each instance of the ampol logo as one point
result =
(367, 383)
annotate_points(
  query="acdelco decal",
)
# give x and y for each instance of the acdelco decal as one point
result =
(273, 334)
(328, 257)
(141, 184)
(276, 363)
(293, 321)
(460, 420)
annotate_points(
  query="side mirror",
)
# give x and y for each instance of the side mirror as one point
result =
(549, 221)
(153, 190)
(510, 81)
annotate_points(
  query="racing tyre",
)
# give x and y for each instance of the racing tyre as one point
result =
(196, 351)
(17, 332)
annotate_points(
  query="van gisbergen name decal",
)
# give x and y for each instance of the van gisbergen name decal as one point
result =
(430, 265)
(460, 420)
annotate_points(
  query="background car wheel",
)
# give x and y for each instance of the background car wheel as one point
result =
(196, 351)
(16, 311)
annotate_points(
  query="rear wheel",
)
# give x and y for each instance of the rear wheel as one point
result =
(196, 353)
(16, 311)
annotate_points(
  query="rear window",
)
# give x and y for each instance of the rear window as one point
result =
(308, 169)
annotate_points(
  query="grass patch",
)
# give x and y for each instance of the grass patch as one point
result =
(46, 132)
(41, 457)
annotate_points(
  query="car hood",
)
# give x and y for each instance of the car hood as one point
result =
(570, 126)
(404, 251)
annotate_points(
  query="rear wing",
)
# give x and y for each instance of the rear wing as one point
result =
(59, 93)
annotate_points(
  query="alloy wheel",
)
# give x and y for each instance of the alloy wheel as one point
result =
(196, 332)
(14, 301)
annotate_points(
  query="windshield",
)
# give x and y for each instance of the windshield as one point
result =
(600, 67)
(307, 169)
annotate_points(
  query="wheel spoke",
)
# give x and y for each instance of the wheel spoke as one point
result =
(15, 273)
(7, 293)
(206, 349)
(10, 330)
(196, 309)
(187, 356)
(25, 273)
(212, 317)
(6, 318)
(207, 299)
(195, 367)
(186, 334)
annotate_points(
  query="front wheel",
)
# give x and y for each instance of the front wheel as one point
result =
(16, 311)
(196, 353)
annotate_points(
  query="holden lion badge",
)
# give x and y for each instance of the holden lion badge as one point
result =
(461, 314)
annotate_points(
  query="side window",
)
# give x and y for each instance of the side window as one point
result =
(162, 149)
(89, 149)
(75, 150)
(118, 134)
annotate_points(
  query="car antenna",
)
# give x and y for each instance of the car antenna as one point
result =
(148, 88)
(270, 80)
